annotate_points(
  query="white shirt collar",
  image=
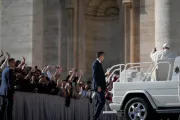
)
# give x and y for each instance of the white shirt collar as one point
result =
(99, 60)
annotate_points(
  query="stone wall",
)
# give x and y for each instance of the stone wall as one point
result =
(147, 29)
(175, 26)
(104, 34)
(167, 24)
(42, 31)
(52, 31)
(38, 33)
(34, 29)
(16, 38)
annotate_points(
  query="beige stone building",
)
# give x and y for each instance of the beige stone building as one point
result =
(70, 32)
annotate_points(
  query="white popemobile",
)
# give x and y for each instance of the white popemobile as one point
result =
(139, 97)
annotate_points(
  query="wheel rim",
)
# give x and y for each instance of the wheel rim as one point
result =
(137, 111)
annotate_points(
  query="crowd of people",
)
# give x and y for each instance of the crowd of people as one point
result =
(33, 79)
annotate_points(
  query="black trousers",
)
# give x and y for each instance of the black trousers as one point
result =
(100, 102)
(6, 106)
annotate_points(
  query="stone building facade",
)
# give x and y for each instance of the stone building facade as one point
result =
(70, 32)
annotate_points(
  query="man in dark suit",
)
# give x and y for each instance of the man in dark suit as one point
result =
(99, 84)
(7, 91)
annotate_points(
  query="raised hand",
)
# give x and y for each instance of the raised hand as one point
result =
(2, 54)
(154, 50)
(48, 67)
(8, 55)
(107, 73)
(24, 60)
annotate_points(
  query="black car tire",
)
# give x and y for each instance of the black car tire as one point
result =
(149, 113)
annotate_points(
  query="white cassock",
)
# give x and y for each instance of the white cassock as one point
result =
(160, 55)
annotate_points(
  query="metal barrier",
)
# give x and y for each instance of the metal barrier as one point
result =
(32, 106)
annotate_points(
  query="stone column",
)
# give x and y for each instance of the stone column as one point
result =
(127, 7)
(63, 54)
(81, 40)
(162, 22)
(132, 49)
(54, 41)
(37, 51)
(75, 41)
(79, 35)
(122, 32)
(134, 31)
(17, 28)
(70, 28)
(167, 22)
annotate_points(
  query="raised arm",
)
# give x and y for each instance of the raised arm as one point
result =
(2, 54)
(57, 73)
(153, 54)
(28, 75)
(6, 61)
(80, 78)
(70, 78)
(43, 69)
(40, 79)
(46, 69)
(22, 63)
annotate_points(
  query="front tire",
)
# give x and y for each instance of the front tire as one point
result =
(138, 109)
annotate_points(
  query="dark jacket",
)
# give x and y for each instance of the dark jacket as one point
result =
(98, 76)
(7, 86)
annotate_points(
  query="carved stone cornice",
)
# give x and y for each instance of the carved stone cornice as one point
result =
(102, 8)
(127, 3)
